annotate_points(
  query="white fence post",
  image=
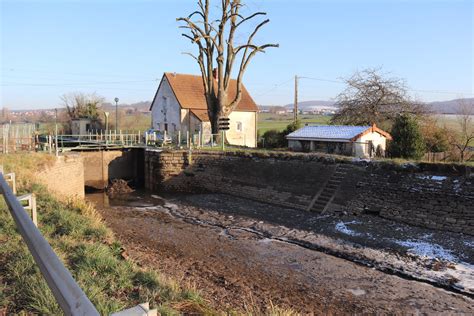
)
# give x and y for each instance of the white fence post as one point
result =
(200, 139)
(11, 178)
(31, 199)
(187, 139)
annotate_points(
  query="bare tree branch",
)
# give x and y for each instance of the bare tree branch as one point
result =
(370, 97)
(215, 41)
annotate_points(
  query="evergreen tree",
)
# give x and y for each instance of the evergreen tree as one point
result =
(407, 141)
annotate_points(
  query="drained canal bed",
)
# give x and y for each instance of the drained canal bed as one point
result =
(241, 254)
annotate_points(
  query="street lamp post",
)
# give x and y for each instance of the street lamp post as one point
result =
(116, 113)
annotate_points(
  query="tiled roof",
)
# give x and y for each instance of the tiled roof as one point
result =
(189, 91)
(328, 132)
(202, 115)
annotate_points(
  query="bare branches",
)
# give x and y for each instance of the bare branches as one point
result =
(463, 139)
(372, 97)
(250, 17)
(81, 105)
(215, 41)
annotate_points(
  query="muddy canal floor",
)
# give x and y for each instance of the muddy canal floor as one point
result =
(239, 261)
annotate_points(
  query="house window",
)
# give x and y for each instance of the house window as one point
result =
(239, 127)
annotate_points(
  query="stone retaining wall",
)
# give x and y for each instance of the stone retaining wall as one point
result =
(65, 177)
(430, 195)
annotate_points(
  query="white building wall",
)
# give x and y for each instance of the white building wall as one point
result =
(361, 145)
(79, 127)
(248, 134)
(166, 110)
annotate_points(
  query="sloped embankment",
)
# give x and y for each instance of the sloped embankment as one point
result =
(87, 248)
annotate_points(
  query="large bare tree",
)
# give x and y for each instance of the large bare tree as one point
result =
(463, 139)
(371, 97)
(219, 53)
(82, 105)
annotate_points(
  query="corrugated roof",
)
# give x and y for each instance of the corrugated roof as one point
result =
(189, 91)
(328, 132)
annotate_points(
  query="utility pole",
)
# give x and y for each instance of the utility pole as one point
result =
(295, 107)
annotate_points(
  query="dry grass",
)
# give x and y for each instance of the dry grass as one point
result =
(25, 165)
(88, 249)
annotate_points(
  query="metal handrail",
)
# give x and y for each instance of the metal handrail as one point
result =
(68, 294)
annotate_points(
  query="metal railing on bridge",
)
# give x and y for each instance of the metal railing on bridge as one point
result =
(112, 139)
(116, 139)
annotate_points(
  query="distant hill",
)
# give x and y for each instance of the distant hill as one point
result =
(139, 106)
(314, 105)
(441, 107)
(449, 107)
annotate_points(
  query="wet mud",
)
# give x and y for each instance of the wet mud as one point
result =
(241, 256)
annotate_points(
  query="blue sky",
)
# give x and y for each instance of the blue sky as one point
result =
(121, 48)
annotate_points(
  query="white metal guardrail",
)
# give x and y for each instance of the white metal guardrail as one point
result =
(68, 294)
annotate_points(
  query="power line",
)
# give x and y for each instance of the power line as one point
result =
(274, 88)
(16, 70)
(19, 84)
(412, 90)
(325, 80)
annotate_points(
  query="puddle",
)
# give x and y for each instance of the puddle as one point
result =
(136, 199)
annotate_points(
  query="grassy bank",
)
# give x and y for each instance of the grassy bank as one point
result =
(87, 248)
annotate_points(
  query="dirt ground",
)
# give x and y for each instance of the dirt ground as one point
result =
(239, 269)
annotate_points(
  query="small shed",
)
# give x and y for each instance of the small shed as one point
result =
(357, 141)
(82, 126)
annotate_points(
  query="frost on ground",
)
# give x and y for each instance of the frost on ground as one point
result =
(469, 243)
(427, 250)
(341, 227)
(443, 258)
(434, 178)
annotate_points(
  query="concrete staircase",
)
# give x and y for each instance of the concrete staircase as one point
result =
(324, 197)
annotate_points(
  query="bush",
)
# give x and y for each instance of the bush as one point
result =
(407, 141)
(275, 139)
(271, 139)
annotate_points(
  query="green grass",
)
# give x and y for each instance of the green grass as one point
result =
(268, 121)
(87, 248)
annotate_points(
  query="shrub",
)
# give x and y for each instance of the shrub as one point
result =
(407, 141)
(272, 139)
(275, 139)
